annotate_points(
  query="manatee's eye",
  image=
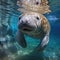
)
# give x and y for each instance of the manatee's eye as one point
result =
(37, 18)
(19, 18)
(37, 3)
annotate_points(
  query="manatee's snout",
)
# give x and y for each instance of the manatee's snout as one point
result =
(24, 22)
(24, 25)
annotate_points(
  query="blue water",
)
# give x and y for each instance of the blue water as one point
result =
(52, 52)
(12, 50)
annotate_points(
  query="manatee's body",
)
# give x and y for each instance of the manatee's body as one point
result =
(34, 25)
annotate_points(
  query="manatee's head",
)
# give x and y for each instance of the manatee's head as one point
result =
(29, 22)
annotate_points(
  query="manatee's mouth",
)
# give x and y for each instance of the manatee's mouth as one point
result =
(27, 29)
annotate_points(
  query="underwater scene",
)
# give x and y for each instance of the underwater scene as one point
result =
(9, 47)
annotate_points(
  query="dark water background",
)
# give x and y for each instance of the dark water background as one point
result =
(9, 48)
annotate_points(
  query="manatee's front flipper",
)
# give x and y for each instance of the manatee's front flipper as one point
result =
(21, 39)
(43, 43)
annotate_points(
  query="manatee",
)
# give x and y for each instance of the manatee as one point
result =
(34, 25)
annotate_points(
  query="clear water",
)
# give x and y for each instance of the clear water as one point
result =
(8, 27)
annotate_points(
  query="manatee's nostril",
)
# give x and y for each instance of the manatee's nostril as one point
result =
(26, 21)
(22, 21)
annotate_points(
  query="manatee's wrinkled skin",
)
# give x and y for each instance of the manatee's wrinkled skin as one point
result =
(34, 25)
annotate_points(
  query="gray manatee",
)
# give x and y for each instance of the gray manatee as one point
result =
(34, 25)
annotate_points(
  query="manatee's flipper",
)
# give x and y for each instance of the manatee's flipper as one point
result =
(21, 40)
(43, 43)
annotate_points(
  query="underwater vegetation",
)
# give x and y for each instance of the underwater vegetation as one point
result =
(11, 50)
